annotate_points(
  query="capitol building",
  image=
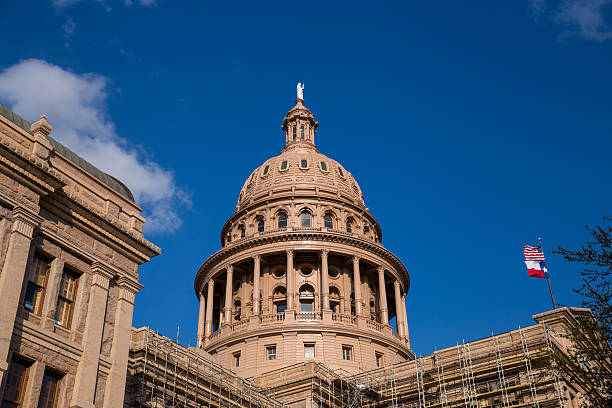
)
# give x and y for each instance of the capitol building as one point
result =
(302, 305)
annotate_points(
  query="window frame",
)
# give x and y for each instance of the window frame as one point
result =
(22, 384)
(284, 163)
(323, 166)
(271, 352)
(278, 219)
(236, 358)
(261, 225)
(302, 133)
(331, 221)
(69, 301)
(35, 286)
(265, 170)
(57, 377)
(302, 162)
(302, 219)
(314, 350)
(380, 362)
(347, 352)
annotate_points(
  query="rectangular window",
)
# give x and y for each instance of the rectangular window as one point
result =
(48, 391)
(284, 165)
(323, 166)
(379, 360)
(346, 352)
(35, 290)
(306, 305)
(304, 163)
(294, 132)
(16, 378)
(67, 295)
(309, 350)
(302, 132)
(236, 359)
(271, 352)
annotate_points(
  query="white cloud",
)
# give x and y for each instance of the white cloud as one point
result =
(582, 18)
(75, 105)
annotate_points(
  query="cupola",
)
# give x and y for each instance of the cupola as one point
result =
(299, 124)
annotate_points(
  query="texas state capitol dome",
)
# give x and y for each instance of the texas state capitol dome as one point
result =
(302, 239)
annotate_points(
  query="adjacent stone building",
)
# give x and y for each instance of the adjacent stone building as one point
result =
(70, 246)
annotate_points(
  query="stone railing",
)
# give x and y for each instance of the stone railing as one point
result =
(308, 316)
(240, 325)
(272, 318)
(343, 318)
(266, 320)
(374, 325)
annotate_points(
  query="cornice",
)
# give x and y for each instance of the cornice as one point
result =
(296, 236)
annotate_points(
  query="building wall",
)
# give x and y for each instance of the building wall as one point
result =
(59, 220)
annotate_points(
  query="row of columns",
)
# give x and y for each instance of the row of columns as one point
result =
(205, 318)
(12, 277)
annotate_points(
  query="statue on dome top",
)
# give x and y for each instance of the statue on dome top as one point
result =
(300, 90)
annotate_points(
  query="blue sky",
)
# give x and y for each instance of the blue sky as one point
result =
(472, 128)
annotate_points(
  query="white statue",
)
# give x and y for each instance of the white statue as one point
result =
(300, 90)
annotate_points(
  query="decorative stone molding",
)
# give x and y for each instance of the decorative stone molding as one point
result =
(128, 288)
(24, 222)
(297, 236)
(102, 275)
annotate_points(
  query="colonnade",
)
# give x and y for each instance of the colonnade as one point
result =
(205, 318)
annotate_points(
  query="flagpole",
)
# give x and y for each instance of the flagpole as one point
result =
(548, 279)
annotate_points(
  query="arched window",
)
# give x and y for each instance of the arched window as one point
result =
(260, 225)
(328, 221)
(282, 220)
(302, 132)
(305, 219)
(294, 133)
(349, 225)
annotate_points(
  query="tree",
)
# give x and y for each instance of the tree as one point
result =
(589, 357)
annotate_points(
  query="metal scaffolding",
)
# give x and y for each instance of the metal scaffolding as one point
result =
(501, 371)
(162, 373)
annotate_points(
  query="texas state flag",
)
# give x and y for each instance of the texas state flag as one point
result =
(534, 259)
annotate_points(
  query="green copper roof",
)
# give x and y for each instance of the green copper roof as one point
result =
(107, 179)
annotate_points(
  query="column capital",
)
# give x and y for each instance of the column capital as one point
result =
(290, 251)
(128, 288)
(25, 221)
(257, 258)
(396, 283)
(102, 274)
(381, 269)
(324, 253)
(229, 267)
(211, 283)
(356, 258)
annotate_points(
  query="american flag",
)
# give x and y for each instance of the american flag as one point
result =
(533, 253)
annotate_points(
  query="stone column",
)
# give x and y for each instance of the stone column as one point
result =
(399, 316)
(209, 308)
(87, 371)
(357, 285)
(115, 383)
(12, 277)
(229, 280)
(290, 279)
(256, 290)
(201, 320)
(405, 317)
(382, 296)
(324, 279)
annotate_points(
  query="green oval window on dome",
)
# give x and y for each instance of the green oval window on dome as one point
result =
(284, 165)
(266, 170)
(304, 163)
(323, 166)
